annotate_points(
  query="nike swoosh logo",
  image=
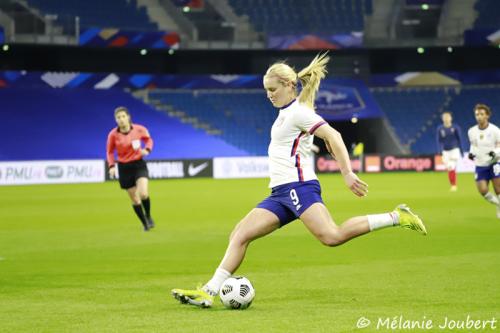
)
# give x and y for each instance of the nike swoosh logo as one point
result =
(193, 171)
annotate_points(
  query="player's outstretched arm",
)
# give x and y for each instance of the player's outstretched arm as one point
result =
(336, 146)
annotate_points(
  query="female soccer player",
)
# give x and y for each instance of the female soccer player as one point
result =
(449, 142)
(296, 192)
(127, 140)
(484, 151)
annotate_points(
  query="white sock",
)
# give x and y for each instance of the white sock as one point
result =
(492, 198)
(213, 286)
(379, 221)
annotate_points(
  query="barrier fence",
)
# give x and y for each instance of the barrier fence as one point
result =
(95, 171)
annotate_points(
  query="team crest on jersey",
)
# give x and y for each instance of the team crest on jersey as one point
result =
(443, 133)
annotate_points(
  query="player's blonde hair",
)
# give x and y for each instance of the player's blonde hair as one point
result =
(309, 77)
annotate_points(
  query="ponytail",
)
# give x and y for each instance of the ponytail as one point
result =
(310, 78)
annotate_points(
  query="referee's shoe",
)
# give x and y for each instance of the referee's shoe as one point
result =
(149, 222)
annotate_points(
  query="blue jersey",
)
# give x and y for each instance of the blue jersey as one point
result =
(449, 138)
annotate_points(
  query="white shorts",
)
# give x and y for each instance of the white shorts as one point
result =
(451, 158)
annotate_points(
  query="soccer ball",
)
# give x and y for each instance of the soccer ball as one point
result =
(237, 293)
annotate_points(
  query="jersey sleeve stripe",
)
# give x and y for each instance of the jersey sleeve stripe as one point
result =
(315, 127)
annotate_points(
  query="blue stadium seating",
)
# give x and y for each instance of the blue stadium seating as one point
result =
(463, 103)
(410, 111)
(46, 123)
(121, 14)
(489, 14)
(244, 118)
(302, 17)
(415, 112)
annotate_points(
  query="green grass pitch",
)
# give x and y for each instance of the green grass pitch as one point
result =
(74, 258)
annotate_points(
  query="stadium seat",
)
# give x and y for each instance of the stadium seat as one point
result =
(121, 14)
(299, 17)
(415, 113)
(244, 119)
(76, 124)
(488, 17)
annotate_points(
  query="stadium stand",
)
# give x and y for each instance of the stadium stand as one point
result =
(410, 110)
(205, 123)
(299, 17)
(488, 14)
(242, 118)
(121, 14)
(24, 21)
(415, 113)
(466, 98)
(46, 123)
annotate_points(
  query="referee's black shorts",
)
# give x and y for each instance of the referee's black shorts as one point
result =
(128, 173)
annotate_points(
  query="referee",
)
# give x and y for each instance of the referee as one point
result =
(128, 139)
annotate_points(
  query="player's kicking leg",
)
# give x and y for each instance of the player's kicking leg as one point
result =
(318, 220)
(259, 222)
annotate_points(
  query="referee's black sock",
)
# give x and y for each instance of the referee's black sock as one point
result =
(146, 203)
(140, 214)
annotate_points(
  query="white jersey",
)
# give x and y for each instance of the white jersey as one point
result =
(482, 142)
(290, 155)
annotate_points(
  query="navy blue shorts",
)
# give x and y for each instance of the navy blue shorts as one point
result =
(289, 201)
(488, 172)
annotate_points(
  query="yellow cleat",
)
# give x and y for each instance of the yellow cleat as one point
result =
(197, 297)
(409, 220)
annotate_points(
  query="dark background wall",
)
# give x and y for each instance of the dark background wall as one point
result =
(353, 63)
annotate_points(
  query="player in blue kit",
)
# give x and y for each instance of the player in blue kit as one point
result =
(296, 192)
(449, 143)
